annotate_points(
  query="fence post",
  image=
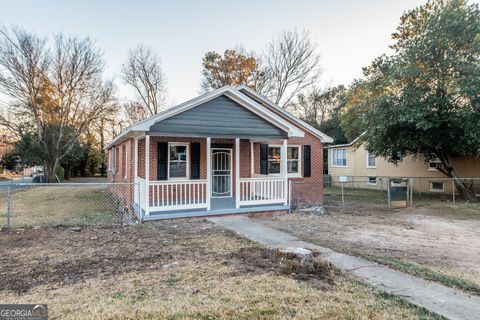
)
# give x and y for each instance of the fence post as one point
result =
(453, 190)
(388, 194)
(9, 208)
(411, 192)
(289, 196)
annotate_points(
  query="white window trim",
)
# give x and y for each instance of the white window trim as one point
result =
(371, 183)
(127, 151)
(114, 160)
(280, 147)
(346, 160)
(299, 173)
(435, 161)
(111, 160)
(290, 175)
(437, 190)
(370, 167)
(173, 144)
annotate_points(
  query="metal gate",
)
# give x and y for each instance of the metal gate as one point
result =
(398, 192)
(221, 173)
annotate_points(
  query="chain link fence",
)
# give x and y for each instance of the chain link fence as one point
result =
(66, 204)
(354, 194)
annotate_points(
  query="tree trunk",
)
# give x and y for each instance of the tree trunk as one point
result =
(50, 167)
(448, 170)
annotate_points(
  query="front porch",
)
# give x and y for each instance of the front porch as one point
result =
(219, 207)
(226, 183)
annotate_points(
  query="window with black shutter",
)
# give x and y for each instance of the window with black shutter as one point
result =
(162, 166)
(307, 161)
(195, 160)
(264, 159)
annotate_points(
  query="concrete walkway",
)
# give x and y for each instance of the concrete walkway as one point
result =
(445, 301)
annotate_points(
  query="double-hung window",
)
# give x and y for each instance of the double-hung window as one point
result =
(178, 160)
(293, 160)
(112, 159)
(371, 160)
(339, 157)
(274, 159)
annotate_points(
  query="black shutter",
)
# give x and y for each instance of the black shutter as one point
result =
(162, 163)
(264, 159)
(195, 160)
(307, 167)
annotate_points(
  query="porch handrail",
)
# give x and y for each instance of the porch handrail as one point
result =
(177, 194)
(262, 190)
(140, 194)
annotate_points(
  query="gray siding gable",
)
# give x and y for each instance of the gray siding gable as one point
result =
(217, 118)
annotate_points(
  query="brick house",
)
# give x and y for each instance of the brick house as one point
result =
(225, 152)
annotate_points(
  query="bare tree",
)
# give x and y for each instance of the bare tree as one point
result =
(133, 112)
(55, 92)
(143, 72)
(292, 65)
(317, 105)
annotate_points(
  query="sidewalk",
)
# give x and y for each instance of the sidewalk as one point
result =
(445, 301)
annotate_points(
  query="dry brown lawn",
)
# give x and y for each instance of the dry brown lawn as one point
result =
(438, 241)
(61, 205)
(177, 270)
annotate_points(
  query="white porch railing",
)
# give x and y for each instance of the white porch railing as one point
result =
(177, 194)
(262, 190)
(140, 193)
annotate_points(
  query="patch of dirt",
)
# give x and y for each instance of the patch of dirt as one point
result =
(418, 234)
(314, 271)
(58, 256)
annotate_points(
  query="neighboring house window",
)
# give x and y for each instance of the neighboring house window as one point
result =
(436, 186)
(434, 165)
(372, 180)
(293, 160)
(339, 157)
(178, 160)
(371, 160)
(274, 159)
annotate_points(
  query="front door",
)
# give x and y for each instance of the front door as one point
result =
(221, 173)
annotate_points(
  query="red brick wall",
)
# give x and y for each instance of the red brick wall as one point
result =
(309, 189)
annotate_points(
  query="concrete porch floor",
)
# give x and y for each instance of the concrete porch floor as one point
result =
(219, 206)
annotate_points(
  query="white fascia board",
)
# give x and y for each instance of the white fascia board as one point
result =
(126, 134)
(144, 125)
(232, 94)
(262, 112)
(316, 132)
(345, 144)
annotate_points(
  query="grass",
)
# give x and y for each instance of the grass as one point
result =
(424, 272)
(62, 205)
(130, 274)
(210, 291)
(461, 210)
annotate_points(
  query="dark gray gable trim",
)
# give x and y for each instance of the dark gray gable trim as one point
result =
(219, 117)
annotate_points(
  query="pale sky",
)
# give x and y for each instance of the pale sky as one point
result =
(350, 34)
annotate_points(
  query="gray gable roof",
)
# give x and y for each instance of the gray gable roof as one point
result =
(219, 117)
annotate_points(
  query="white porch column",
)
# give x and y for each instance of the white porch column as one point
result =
(147, 174)
(284, 171)
(209, 175)
(252, 160)
(237, 173)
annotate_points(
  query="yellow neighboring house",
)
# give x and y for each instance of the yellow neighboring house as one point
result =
(364, 170)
